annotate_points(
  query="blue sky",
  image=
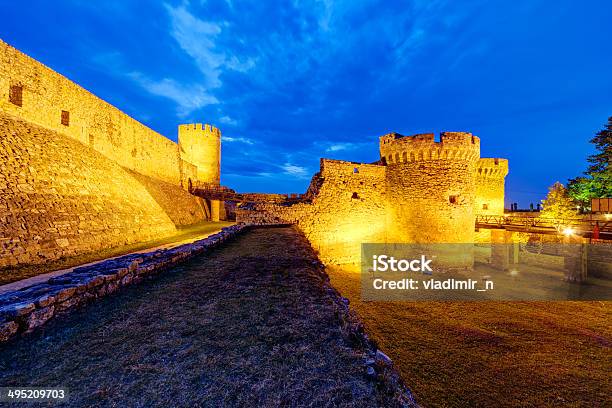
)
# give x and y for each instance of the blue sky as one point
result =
(289, 82)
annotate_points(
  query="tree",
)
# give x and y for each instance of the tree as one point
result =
(558, 204)
(598, 180)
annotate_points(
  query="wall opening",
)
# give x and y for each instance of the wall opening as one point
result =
(65, 118)
(91, 139)
(189, 185)
(16, 95)
(452, 199)
(356, 170)
(485, 206)
(355, 196)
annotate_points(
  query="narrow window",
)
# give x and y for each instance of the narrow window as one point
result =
(452, 199)
(16, 95)
(485, 206)
(65, 118)
(355, 196)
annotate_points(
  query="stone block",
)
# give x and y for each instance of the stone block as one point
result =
(7, 329)
(39, 317)
(16, 310)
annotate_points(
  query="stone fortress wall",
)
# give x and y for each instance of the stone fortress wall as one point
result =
(78, 175)
(421, 191)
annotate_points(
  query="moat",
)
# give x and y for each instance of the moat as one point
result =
(249, 324)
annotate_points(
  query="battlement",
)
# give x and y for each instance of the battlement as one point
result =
(459, 138)
(492, 167)
(199, 127)
(396, 148)
(200, 145)
(334, 168)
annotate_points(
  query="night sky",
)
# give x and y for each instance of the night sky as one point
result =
(289, 82)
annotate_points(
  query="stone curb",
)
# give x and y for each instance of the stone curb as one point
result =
(26, 309)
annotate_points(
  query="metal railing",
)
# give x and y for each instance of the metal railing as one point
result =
(582, 226)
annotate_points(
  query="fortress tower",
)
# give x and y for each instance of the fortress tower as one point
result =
(430, 186)
(200, 145)
(490, 180)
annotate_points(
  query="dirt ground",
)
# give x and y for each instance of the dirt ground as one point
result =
(246, 325)
(492, 354)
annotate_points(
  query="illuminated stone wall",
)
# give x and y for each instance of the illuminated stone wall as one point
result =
(90, 120)
(201, 145)
(348, 207)
(60, 198)
(78, 175)
(490, 179)
(431, 186)
(35, 93)
(421, 191)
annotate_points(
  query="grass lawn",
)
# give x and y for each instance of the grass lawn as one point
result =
(13, 274)
(250, 325)
(494, 354)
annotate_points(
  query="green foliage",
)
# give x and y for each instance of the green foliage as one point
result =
(558, 204)
(598, 180)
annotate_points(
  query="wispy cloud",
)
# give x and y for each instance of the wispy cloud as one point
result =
(198, 38)
(244, 140)
(228, 120)
(187, 98)
(296, 171)
(336, 147)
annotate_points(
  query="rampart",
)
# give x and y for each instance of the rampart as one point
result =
(39, 95)
(78, 175)
(348, 207)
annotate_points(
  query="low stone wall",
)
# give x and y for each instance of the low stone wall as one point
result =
(24, 310)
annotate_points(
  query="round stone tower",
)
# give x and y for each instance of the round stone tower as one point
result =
(490, 179)
(200, 145)
(431, 187)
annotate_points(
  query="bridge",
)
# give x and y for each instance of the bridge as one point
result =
(222, 193)
(581, 227)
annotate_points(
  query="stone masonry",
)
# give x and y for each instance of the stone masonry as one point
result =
(419, 191)
(78, 175)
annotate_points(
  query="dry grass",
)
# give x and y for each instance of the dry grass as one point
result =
(250, 324)
(493, 354)
(13, 274)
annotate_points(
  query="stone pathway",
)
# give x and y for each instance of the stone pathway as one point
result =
(252, 323)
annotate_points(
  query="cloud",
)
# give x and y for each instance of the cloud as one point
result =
(198, 39)
(237, 140)
(228, 120)
(296, 171)
(336, 147)
(188, 98)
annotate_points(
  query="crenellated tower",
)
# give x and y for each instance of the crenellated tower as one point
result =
(200, 145)
(430, 186)
(490, 176)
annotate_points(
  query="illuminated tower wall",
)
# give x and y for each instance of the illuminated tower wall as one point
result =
(200, 145)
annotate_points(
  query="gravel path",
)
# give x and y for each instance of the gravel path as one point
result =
(249, 324)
